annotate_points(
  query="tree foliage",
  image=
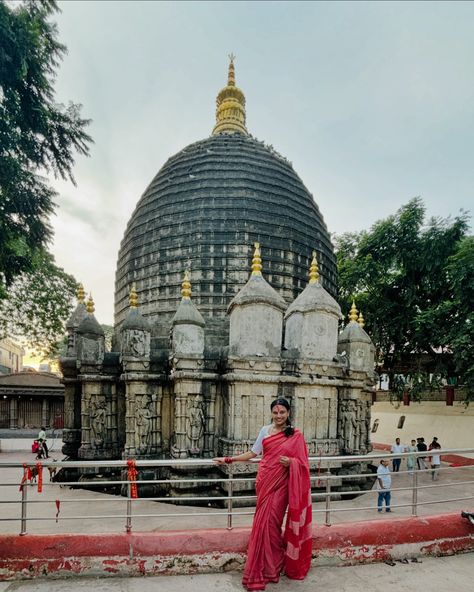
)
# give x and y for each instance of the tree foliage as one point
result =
(37, 306)
(409, 277)
(37, 135)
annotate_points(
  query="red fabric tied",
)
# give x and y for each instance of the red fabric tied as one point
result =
(228, 460)
(58, 505)
(39, 468)
(132, 477)
(27, 476)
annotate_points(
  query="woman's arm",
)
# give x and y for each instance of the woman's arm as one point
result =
(244, 457)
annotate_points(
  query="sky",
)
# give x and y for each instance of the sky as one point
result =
(372, 102)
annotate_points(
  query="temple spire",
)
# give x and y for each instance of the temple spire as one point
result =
(90, 305)
(257, 261)
(230, 106)
(133, 297)
(313, 270)
(353, 316)
(80, 294)
(186, 287)
(361, 320)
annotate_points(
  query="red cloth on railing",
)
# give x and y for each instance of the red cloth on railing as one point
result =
(58, 505)
(27, 475)
(132, 477)
(39, 468)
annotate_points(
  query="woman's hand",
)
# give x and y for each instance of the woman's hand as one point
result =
(219, 460)
(285, 461)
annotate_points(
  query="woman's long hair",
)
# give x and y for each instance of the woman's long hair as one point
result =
(289, 430)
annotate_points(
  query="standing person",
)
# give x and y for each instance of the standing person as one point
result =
(384, 483)
(396, 449)
(421, 447)
(435, 458)
(411, 460)
(42, 438)
(282, 481)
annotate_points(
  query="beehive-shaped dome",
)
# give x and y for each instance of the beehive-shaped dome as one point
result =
(203, 211)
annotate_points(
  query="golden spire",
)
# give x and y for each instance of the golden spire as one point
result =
(353, 316)
(133, 297)
(257, 261)
(230, 106)
(313, 270)
(361, 320)
(186, 287)
(80, 294)
(90, 305)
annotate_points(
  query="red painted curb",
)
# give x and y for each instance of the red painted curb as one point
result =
(214, 549)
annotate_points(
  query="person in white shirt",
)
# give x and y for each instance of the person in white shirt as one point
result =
(42, 440)
(384, 483)
(396, 449)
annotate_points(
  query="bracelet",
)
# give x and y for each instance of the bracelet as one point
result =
(228, 460)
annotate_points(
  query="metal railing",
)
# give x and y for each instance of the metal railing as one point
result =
(329, 483)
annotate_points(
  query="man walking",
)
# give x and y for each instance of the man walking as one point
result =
(384, 482)
(397, 448)
(421, 447)
(42, 440)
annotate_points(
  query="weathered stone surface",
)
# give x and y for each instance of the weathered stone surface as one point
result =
(204, 210)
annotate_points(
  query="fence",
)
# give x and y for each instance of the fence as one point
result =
(324, 479)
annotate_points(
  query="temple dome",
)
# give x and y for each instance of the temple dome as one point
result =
(203, 211)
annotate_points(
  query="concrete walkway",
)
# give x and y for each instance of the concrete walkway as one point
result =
(439, 574)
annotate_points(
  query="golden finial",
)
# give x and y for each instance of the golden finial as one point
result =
(133, 296)
(90, 305)
(361, 320)
(80, 294)
(231, 73)
(313, 270)
(353, 316)
(230, 106)
(186, 287)
(257, 261)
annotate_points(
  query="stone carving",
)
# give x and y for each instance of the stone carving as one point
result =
(137, 343)
(97, 415)
(143, 422)
(195, 424)
(349, 425)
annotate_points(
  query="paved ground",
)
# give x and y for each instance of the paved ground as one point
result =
(436, 574)
(87, 511)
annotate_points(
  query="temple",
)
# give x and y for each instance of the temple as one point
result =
(224, 300)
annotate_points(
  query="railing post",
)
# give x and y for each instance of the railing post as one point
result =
(328, 499)
(414, 493)
(230, 493)
(128, 524)
(24, 506)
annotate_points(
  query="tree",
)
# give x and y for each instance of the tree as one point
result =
(37, 135)
(37, 306)
(401, 273)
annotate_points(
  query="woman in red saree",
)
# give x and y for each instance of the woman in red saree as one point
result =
(282, 482)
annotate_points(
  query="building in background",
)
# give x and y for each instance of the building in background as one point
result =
(11, 357)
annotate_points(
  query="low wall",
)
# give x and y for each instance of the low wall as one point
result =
(453, 426)
(15, 444)
(214, 550)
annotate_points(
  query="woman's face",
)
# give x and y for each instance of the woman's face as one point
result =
(279, 415)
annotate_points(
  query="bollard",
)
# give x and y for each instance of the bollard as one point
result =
(128, 524)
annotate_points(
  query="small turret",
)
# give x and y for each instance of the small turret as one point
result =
(311, 321)
(256, 316)
(355, 342)
(187, 324)
(135, 332)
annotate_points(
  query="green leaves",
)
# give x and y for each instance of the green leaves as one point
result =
(414, 281)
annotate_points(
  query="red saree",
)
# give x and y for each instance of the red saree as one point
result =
(278, 487)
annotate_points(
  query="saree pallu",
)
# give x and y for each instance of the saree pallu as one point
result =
(279, 487)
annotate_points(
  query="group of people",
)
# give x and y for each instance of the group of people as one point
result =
(384, 478)
(421, 462)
